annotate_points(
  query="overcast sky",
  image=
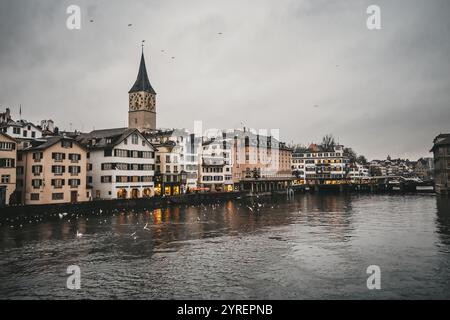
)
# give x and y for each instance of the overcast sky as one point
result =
(307, 67)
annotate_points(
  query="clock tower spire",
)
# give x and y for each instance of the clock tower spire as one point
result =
(142, 100)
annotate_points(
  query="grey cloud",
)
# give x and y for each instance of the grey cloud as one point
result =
(381, 92)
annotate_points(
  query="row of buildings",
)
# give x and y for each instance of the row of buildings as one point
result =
(39, 164)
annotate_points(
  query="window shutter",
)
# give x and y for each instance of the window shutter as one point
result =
(63, 169)
(63, 182)
(53, 169)
(63, 156)
(53, 182)
(53, 155)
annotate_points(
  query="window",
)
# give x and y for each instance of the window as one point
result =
(57, 196)
(36, 183)
(33, 134)
(134, 139)
(167, 159)
(37, 156)
(5, 178)
(19, 170)
(108, 153)
(16, 130)
(58, 156)
(7, 163)
(106, 179)
(168, 169)
(37, 170)
(34, 196)
(58, 170)
(74, 157)
(74, 183)
(74, 170)
(66, 144)
(58, 183)
(25, 133)
(125, 141)
(8, 146)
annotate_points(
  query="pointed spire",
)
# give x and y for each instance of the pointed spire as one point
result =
(142, 83)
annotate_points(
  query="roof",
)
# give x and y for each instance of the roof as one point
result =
(142, 83)
(7, 136)
(441, 140)
(106, 138)
(45, 143)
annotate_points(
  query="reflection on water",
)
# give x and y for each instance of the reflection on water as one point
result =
(313, 246)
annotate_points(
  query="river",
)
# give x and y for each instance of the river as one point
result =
(314, 246)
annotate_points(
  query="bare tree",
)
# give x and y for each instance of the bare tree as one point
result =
(328, 142)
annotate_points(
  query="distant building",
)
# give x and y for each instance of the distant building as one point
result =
(216, 164)
(392, 167)
(441, 152)
(316, 165)
(52, 170)
(357, 172)
(8, 158)
(260, 155)
(187, 148)
(21, 129)
(424, 168)
(121, 163)
(170, 179)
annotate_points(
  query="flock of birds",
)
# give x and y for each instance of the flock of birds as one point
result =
(253, 207)
(162, 51)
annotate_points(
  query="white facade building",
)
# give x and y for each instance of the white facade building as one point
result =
(121, 163)
(185, 147)
(21, 129)
(216, 167)
(315, 165)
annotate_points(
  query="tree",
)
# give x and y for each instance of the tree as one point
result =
(361, 159)
(350, 154)
(328, 142)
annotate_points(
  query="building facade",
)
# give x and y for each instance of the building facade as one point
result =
(180, 144)
(216, 168)
(20, 129)
(121, 163)
(170, 177)
(441, 155)
(52, 170)
(8, 160)
(316, 165)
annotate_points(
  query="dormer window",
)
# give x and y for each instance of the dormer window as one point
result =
(134, 139)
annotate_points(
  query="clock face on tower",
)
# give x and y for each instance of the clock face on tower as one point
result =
(142, 101)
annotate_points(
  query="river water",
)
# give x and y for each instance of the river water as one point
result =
(311, 246)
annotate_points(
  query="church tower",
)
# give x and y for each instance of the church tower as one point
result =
(142, 101)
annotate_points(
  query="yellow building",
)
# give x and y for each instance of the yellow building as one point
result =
(53, 170)
(8, 157)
